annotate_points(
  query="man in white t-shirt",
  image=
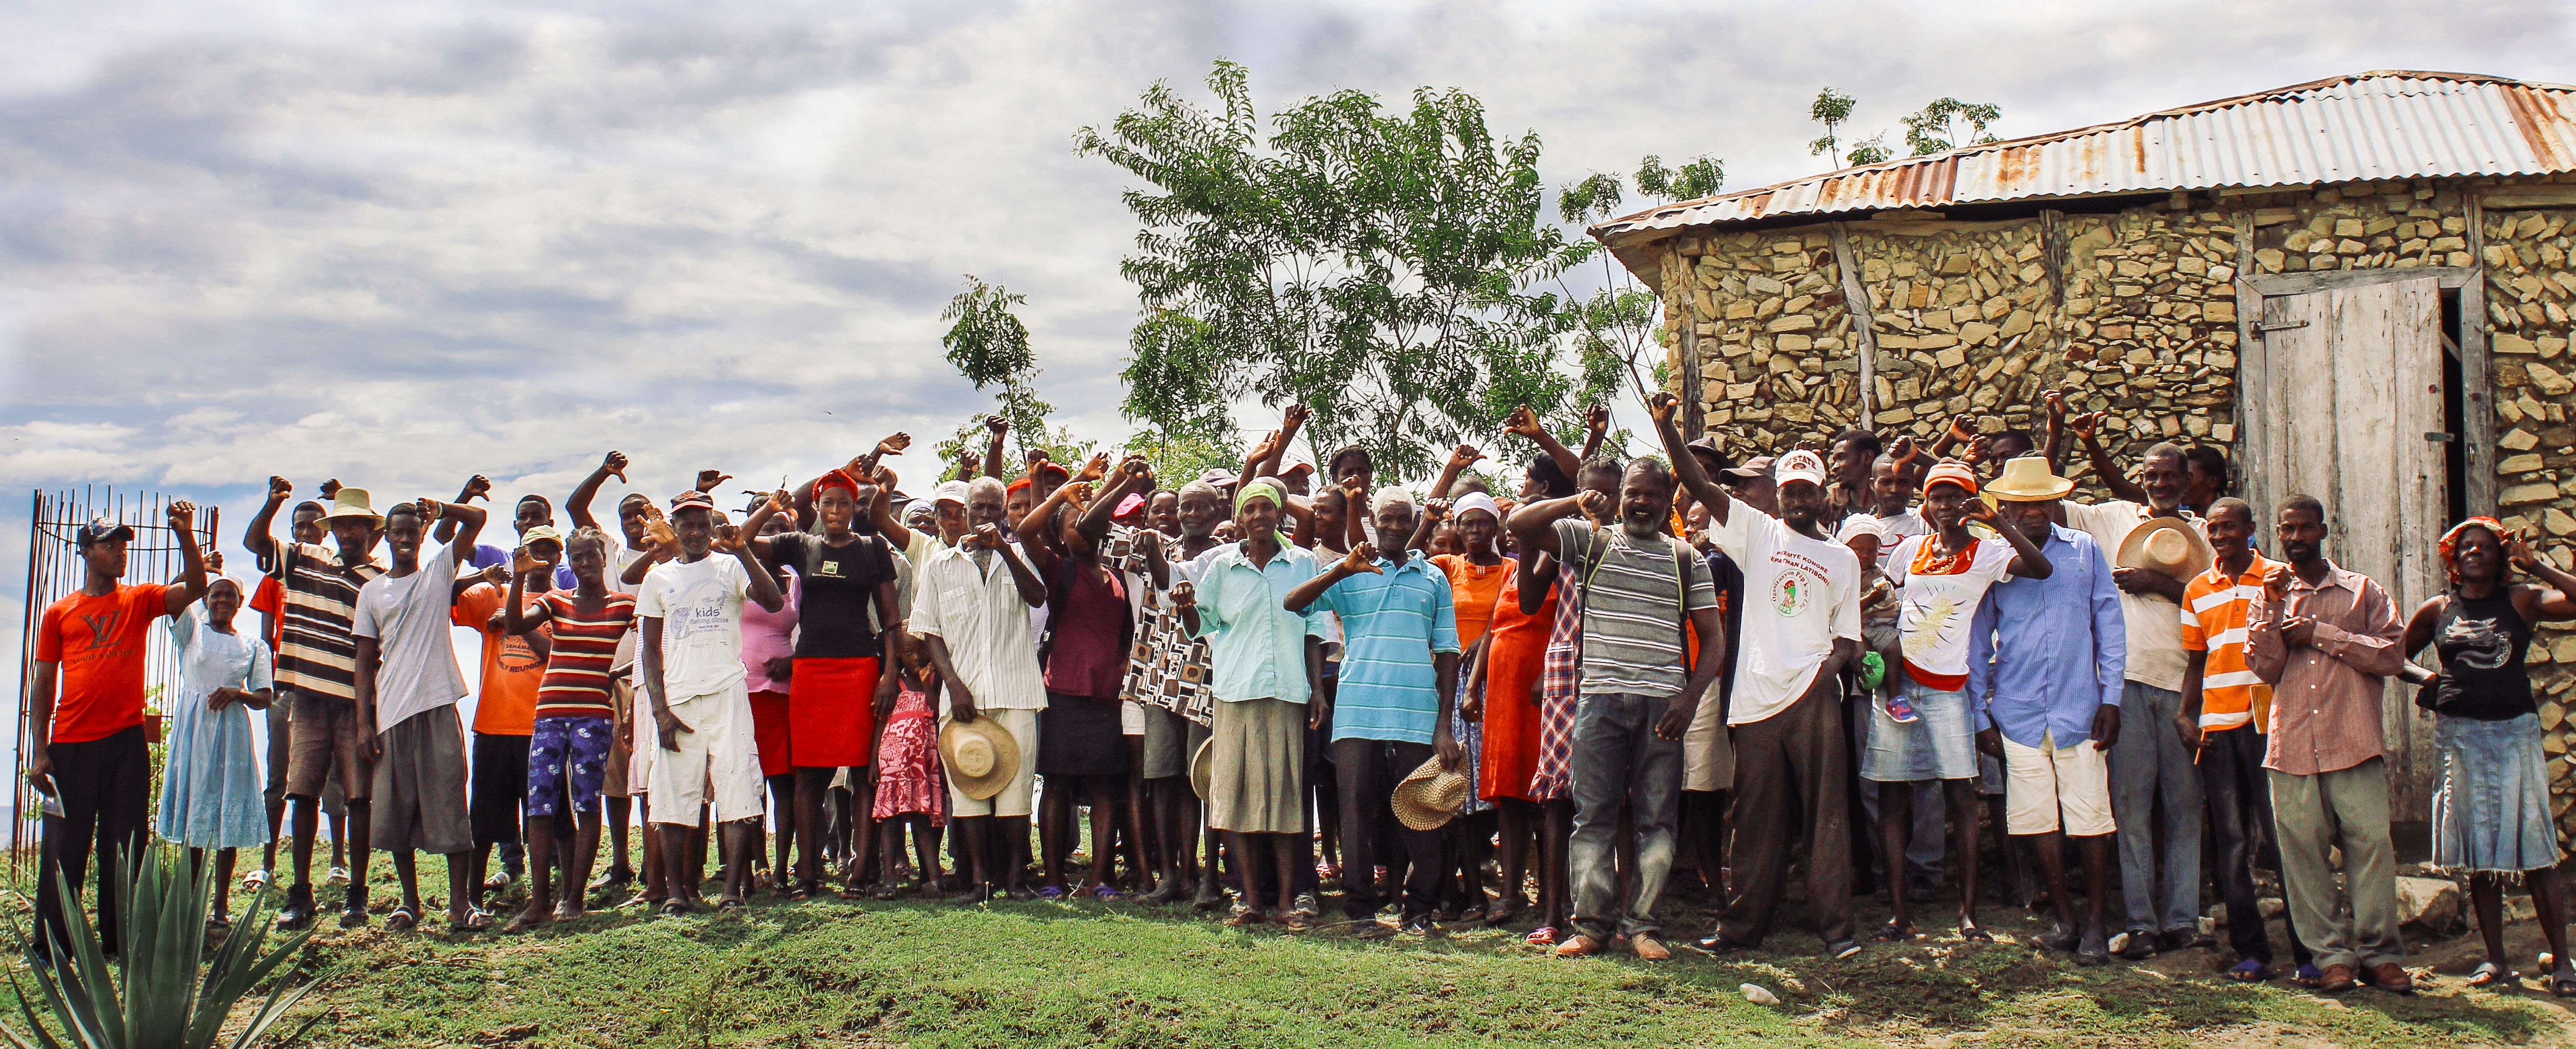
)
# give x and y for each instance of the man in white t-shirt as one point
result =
(1801, 626)
(408, 685)
(1927, 731)
(2149, 764)
(691, 661)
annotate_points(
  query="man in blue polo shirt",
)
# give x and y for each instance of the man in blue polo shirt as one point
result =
(1392, 711)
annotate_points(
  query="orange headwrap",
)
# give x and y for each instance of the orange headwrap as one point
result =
(2450, 543)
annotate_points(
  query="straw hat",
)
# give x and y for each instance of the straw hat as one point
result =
(980, 755)
(2027, 479)
(352, 502)
(1429, 796)
(1203, 768)
(2169, 545)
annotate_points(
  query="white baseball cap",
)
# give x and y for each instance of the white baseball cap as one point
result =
(1799, 465)
(949, 492)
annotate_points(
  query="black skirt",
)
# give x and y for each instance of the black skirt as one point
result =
(1079, 736)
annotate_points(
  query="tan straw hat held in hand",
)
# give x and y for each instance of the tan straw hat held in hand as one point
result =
(980, 755)
(2167, 545)
(1430, 796)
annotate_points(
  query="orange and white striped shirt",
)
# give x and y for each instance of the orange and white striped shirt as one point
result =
(2214, 613)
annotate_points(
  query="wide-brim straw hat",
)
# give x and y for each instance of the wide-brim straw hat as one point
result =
(2169, 545)
(1203, 768)
(1429, 796)
(2027, 479)
(352, 502)
(980, 756)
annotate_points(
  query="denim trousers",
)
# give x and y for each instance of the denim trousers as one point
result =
(2149, 762)
(1618, 758)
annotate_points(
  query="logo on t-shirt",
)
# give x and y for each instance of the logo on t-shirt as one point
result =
(102, 628)
(1792, 590)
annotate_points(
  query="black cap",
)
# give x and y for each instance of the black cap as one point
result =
(102, 530)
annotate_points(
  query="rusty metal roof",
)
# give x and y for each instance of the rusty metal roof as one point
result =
(2379, 125)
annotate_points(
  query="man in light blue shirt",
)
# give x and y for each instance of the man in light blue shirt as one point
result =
(2046, 661)
(1390, 713)
(1266, 660)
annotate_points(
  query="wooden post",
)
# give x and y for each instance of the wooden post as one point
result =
(1694, 407)
(2477, 371)
(1864, 328)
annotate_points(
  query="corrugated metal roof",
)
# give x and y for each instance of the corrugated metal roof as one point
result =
(2380, 125)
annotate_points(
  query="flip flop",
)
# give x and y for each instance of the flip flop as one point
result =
(255, 880)
(2309, 976)
(731, 905)
(1892, 933)
(474, 921)
(1051, 892)
(2562, 983)
(1105, 892)
(1976, 934)
(403, 919)
(1543, 936)
(2489, 974)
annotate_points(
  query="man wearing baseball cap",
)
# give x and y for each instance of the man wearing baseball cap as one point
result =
(85, 748)
(1801, 625)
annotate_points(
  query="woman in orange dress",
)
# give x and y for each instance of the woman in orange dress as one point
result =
(1477, 574)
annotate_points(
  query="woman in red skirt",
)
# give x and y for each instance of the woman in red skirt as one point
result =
(844, 669)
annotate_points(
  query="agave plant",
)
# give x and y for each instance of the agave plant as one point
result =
(163, 993)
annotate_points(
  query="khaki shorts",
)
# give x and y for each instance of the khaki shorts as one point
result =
(420, 803)
(324, 746)
(2049, 787)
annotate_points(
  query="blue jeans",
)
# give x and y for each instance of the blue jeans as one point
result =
(1617, 757)
(2149, 763)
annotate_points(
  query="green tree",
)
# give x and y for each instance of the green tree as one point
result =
(990, 347)
(1831, 108)
(1374, 265)
(1938, 128)
(1871, 150)
(1619, 323)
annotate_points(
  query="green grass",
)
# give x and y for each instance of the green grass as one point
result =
(834, 973)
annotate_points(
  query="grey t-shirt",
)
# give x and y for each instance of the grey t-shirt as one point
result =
(1632, 636)
(408, 618)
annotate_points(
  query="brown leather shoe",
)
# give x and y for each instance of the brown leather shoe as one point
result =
(1649, 949)
(2338, 979)
(2391, 977)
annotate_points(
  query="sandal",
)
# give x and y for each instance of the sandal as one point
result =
(1543, 936)
(731, 905)
(2563, 982)
(2249, 971)
(1051, 892)
(1893, 933)
(403, 919)
(474, 921)
(674, 908)
(2308, 976)
(2489, 974)
(1243, 916)
(1975, 934)
(1105, 891)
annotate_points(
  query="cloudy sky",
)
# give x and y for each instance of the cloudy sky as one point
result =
(398, 244)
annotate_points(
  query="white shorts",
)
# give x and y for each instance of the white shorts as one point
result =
(1131, 718)
(718, 759)
(1014, 798)
(2039, 785)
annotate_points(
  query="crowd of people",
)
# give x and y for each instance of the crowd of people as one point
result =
(1634, 678)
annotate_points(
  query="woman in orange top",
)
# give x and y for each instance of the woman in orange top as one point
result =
(1476, 577)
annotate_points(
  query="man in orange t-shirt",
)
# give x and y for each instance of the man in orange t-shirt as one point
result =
(85, 747)
(505, 710)
(2226, 711)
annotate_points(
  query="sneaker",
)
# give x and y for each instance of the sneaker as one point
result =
(1900, 710)
(2092, 950)
(2179, 938)
(1307, 905)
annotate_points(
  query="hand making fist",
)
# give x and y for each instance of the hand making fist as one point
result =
(279, 488)
(182, 515)
(1662, 406)
(1184, 594)
(1524, 422)
(1594, 505)
(1362, 558)
(894, 445)
(477, 487)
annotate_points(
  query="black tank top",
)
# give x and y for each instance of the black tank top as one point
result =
(2481, 642)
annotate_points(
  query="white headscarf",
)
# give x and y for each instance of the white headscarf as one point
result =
(1475, 501)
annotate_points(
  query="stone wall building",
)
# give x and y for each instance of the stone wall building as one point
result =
(2360, 287)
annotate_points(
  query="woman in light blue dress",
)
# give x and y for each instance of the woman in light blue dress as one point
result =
(210, 787)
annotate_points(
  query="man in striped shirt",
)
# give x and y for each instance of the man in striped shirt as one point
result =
(317, 681)
(2226, 710)
(1392, 711)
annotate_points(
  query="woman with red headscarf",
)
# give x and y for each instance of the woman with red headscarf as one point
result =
(843, 674)
(2491, 816)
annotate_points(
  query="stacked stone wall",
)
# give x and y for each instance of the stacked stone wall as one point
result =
(2528, 292)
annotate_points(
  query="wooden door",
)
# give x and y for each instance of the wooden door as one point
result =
(2348, 408)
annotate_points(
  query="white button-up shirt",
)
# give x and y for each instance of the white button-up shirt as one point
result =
(979, 614)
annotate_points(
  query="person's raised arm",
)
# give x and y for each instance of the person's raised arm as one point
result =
(1133, 476)
(1525, 423)
(1596, 428)
(1355, 511)
(2055, 400)
(1426, 522)
(477, 485)
(468, 520)
(577, 505)
(2088, 428)
(776, 504)
(1362, 558)
(1460, 459)
(1537, 572)
(2553, 604)
(2029, 561)
(1000, 427)
(256, 538)
(1534, 526)
(516, 619)
(763, 587)
(192, 560)
(1694, 480)
(1093, 470)
(1962, 430)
